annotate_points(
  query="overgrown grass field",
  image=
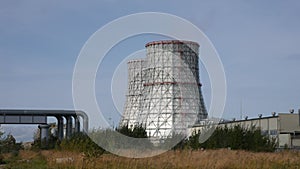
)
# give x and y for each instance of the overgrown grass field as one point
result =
(185, 159)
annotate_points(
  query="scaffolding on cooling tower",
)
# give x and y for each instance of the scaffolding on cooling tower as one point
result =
(134, 96)
(172, 98)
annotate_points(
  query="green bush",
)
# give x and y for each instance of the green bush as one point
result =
(80, 142)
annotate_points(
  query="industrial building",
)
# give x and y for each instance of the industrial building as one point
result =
(164, 90)
(284, 127)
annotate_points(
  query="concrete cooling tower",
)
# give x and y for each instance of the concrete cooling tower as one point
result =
(134, 95)
(164, 90)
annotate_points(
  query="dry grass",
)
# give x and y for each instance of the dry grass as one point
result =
(208, 159)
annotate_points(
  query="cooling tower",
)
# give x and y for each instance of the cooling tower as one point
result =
(164, 90)
(172, 98)
(133, 102)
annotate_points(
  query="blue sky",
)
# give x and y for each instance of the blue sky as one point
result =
(258, 43)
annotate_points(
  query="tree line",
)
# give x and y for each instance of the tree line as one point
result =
(237, 138)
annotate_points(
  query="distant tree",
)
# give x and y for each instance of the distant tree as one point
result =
(236, 137)
(38, 144)
(1, 141)
(8, 144)
(125, 130)
(1, 134)
(193, 141)
(139, 132)
(136, 132)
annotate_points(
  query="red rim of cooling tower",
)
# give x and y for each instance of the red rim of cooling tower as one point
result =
(171, 42)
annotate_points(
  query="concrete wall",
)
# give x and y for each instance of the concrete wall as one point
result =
(288, 123)
(284, 141)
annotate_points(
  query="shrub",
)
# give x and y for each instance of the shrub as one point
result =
(80, 142)
(1, 159)
(9, 144)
